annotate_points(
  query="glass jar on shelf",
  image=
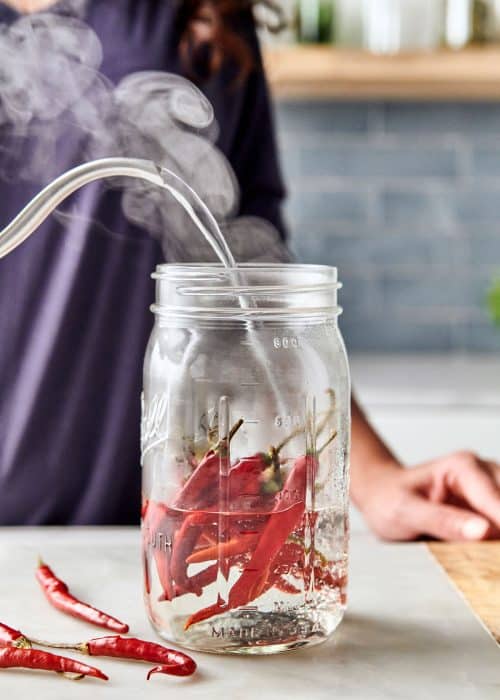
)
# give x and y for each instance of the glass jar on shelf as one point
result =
(349, 23)
(493, 22)
(394, 26)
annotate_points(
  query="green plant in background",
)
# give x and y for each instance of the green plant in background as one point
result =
(493, 299)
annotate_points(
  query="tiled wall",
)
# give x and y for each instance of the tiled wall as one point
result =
(405, 200)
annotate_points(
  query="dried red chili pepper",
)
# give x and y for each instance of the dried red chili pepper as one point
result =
(246, 477)
(179, 664)
(13, 638)
(45, 661)
(169, 670)
(238, 545)
(184, 542)
(199, 581)
(129, 648)
(283, 585)
(147, 572)
(57, 593)
(259, 475)
(193, 494)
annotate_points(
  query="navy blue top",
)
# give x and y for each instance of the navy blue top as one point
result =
(74, 298)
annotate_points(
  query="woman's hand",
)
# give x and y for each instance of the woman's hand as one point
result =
(453, 498)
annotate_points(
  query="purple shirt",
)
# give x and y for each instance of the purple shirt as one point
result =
(74, 300)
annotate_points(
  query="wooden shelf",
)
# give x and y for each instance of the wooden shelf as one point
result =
(316, 72)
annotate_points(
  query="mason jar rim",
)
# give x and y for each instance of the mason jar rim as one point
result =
(168, 270)
(315, 293)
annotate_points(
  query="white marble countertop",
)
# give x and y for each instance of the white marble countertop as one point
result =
(407, 634)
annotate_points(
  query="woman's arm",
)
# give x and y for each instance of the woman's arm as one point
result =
(452, 498)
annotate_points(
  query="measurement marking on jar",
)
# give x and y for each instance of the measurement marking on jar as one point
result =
(251, 421)
(286, 342)
(288, 421)
(250, 384)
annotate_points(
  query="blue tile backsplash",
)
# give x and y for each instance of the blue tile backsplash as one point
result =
(405, 200)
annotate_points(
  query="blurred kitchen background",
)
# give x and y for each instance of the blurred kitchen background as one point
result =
(389, 127)
(400, 188)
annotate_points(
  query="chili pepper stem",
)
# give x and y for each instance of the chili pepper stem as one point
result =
(235, 429)
(301, 429)
(81, 647)
(289, 438)
(328, 442)
(329, 413)
(224, 442)
(22, 643)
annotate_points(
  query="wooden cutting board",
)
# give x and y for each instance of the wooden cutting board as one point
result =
(474, 568)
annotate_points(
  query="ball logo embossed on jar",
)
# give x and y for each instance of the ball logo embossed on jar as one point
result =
(152, 420)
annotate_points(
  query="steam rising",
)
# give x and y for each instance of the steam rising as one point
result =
(52, 94)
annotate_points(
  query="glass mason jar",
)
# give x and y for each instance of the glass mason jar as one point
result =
(245, 442)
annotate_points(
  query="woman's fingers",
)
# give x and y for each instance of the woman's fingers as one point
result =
(445, 522)
(494, 469)
(475, 482)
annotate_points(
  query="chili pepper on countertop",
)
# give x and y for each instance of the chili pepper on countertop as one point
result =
(129, 648)
(57, 593)
(172, 661)
(13, 638)
(11, 657)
